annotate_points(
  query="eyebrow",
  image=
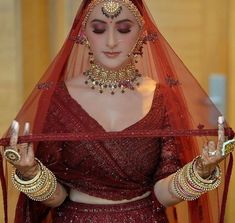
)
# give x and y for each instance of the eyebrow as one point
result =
(124, 20)
(118, 22)
(98, 20)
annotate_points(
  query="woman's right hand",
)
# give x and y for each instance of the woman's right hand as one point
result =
(26, 164)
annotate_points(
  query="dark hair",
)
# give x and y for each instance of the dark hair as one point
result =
(137, 3)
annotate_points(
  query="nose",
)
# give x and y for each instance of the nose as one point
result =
(111, 39)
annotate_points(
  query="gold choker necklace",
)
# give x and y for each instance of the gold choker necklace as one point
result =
(102, 78)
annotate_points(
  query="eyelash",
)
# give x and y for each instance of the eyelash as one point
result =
(101, 31)
(124, 31)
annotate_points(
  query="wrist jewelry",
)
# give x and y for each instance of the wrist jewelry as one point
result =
(186, 183)
(228, 147)
(41, 187)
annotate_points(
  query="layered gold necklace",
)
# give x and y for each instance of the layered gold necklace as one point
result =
(101, 78)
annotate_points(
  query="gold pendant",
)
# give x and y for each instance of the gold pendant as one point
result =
(111, 9)
(98, 77)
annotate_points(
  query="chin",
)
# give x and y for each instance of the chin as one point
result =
(114, 66)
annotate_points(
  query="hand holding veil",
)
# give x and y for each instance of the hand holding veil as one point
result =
(183, 107)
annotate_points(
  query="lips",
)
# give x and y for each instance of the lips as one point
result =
(111, 54)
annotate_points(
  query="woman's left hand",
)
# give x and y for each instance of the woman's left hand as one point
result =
(212, 153)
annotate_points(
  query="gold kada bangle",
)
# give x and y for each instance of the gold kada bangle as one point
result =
(186, 183)
(41, 187)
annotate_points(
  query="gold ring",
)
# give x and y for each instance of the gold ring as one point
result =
(228, 147)
(11, 155)
(212, 153)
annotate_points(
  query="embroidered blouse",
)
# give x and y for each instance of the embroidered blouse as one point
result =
(113, 169)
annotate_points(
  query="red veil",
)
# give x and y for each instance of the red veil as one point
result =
(193, 117)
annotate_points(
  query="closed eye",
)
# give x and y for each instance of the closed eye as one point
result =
(124, 31)
(99, 31)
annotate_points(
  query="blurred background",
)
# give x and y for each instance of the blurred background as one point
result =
(202, 32)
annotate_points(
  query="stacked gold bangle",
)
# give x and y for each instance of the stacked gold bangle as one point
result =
(41, 187)
(187, 185)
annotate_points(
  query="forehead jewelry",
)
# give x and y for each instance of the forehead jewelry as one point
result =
(112, 8)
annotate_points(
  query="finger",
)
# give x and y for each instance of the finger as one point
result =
(26, 132)
(30, 153)
(211, 146)
(205, 149)
(205, 156)
(221, 136)
(14, 133)
(23, 147)
(26, 157)
(26, 129)
(30, 149)
(1, 150)
(212, 150)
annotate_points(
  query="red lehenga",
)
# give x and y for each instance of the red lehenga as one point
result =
(125, 164)
(113, 169)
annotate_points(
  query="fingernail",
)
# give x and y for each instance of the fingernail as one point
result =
(26, 128)
(16, 126)
(13, 124)
(221, 119)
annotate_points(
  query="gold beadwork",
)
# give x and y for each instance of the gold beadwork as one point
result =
(102, 78)
(186, 184)
(134, 10)
(111, 9)
(228, 147)
(41, 187)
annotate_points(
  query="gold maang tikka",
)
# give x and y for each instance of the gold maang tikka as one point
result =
(111, 9)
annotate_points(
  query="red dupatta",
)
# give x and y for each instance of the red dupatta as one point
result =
(185, 109)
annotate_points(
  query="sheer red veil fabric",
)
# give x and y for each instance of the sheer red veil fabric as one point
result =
(184, 107)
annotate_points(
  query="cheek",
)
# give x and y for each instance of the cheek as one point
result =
(96, 42)
(129, 42)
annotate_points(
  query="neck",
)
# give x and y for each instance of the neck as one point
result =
(120, 67)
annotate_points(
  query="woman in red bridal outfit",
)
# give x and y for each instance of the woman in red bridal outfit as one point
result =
(112, 131)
